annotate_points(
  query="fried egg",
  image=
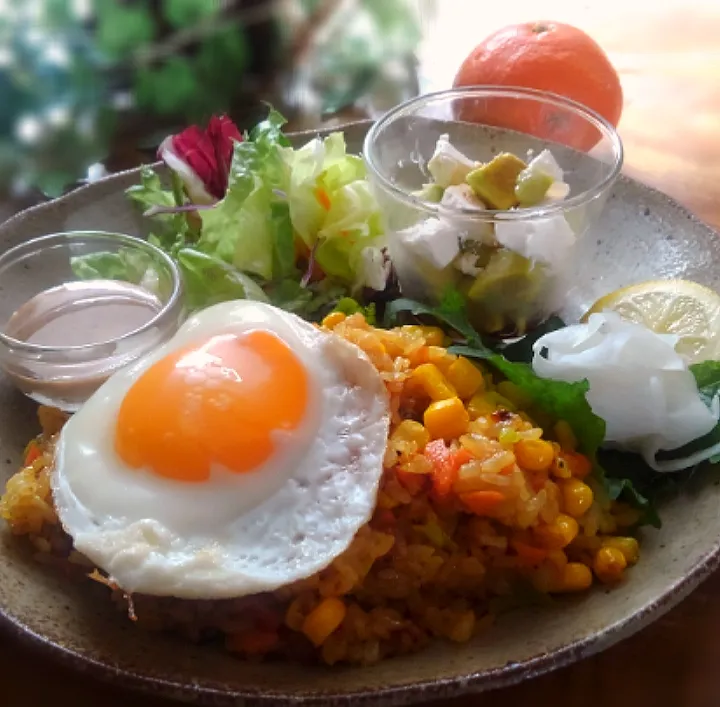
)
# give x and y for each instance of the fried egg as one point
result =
(239, 457)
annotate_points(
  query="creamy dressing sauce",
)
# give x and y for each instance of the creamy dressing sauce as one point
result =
(90, 313)
(82, 313)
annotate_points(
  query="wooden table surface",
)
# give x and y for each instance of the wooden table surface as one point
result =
(669, 61)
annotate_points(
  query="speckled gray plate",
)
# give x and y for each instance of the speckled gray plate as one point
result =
(642, 234)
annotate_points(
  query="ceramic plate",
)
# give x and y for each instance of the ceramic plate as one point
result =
(642, 234)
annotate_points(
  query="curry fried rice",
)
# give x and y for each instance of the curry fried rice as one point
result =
(474, 506)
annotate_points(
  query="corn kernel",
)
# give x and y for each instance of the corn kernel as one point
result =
(462, 628)
(577, 497)
(607, 525)
(545, 578)
(560, 468)
(534, 454)
(411, 431)
(324, 619)
(333, 319)
(480, 405)
(446, 419)
(560, 533)
(565, 435)
(609, 564)
(433, 335)
(625, 516)
(465, 377)
(628, 546)
(559, 559)
(575, 577)
(433, 382)
(441, 358)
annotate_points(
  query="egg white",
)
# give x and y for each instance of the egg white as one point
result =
(235, 534)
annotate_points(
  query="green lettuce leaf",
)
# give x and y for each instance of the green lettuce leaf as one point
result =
(307, 166)
(521, 351)
(451, 311)
(348, 306)
(283, 241)
(170, 231)
(707, 377)
(331, 205)
(125, 265)
(247, 228)
(615, 487)
(311, 302)
(208, 280)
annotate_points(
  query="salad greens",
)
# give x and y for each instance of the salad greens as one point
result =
(348, 306)
(707, 376)
(294, 227)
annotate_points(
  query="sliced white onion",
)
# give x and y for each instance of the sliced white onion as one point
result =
(639, 385)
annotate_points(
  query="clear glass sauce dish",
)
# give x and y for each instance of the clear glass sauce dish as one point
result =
(75, 307)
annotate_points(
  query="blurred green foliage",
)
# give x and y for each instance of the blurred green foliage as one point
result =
(75, 73)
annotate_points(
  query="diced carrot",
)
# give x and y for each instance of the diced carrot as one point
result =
(482, 502)
(580, 465)
(413, 483)
(323, 199)
(446, 463)
(32, 453)
(443, 475)
(528, 553)
(462, 456)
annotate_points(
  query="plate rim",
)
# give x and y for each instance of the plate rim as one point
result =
(466, 683)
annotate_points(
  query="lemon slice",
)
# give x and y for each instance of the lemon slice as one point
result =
(680, 307)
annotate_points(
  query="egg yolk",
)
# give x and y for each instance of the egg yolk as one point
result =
(216, 402)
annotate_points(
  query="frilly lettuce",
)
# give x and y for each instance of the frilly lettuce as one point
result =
(331, 206)
(275, 193)
(240, 230)
(297, 227)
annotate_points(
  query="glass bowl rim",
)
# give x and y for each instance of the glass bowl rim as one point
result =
(174, 300)
(524, 214)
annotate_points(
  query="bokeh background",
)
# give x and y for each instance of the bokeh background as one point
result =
(90, 85)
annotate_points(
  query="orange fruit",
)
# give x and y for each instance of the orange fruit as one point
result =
(548, 56)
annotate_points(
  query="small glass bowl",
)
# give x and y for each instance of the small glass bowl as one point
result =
(510, 287)
(67, 325)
